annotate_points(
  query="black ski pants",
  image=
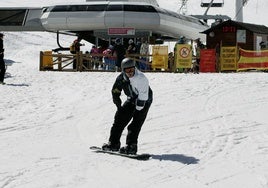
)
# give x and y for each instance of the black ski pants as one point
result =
(2, 68)
(122, 117)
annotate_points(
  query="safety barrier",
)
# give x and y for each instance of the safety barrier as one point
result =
(70, 62)
(160, 60)
(98, 62)
(207, 60)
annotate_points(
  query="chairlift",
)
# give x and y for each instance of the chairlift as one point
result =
(211, 3)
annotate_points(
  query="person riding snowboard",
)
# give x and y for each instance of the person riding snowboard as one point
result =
(139, 98)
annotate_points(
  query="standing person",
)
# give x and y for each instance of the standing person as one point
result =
(131, 47)
(94, 52)
(2, 62)
(139, 98)
(75, 48)
(144, 51)
(120, 52)
(109, 59)
(198, 54)
(182, 40)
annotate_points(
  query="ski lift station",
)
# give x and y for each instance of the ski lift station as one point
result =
(98, 21)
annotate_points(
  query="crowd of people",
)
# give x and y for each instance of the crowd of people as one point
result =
(110, 58)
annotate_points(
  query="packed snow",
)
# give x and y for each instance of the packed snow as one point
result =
(203, 130)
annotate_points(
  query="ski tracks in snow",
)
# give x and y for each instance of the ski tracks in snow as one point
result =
(230, 129)
(217, 130)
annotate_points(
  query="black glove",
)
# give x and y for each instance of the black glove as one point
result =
(117, 102)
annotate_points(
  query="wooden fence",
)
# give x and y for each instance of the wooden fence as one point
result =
(88, 62)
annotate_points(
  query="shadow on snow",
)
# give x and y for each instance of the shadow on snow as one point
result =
(18, 85)
(177, 158)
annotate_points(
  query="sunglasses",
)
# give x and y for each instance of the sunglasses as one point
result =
(130, 70)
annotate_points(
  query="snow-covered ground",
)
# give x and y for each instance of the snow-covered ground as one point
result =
(203, 130)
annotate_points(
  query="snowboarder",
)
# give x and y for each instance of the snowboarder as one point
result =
(2, 62)
(139, 98)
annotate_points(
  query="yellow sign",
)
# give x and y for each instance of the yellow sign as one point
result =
(183, 56)
(228, 58)
(47, 60)
(160, 57)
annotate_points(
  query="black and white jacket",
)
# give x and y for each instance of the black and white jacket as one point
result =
(136, 89)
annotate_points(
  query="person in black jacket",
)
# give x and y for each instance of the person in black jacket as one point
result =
(119, 51)
(2, 62)
(132, 49)
(139, 98)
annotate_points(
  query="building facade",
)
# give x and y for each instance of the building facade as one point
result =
(231, 33)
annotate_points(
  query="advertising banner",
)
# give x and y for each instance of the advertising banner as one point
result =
(253, 60)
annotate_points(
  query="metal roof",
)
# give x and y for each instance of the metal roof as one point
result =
(152, 2)
(261, 29)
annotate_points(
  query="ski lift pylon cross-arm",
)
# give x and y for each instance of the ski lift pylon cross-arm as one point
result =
(211, 3)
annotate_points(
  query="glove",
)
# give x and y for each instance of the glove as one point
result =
(117, 102)
(140, 105)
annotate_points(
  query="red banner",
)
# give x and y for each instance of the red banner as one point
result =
(207, 60)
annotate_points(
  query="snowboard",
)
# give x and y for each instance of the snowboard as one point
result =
(143, 156)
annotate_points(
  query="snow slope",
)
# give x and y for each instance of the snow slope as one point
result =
(203, 130)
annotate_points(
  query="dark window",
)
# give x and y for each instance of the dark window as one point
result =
(65, 8)
(45, 9)
(12, 17)
(96, 7)
(78, 8)
(60, 8)
(139, 8)
(114, 8)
